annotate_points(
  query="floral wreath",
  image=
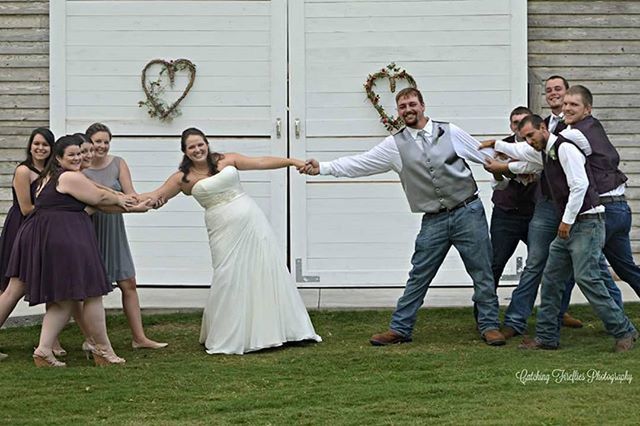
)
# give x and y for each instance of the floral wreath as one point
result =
(156, 106)
(393, 73)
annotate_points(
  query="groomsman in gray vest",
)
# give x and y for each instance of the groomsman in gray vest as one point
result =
(430, 158)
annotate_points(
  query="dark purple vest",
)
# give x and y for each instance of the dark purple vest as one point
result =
(543, 184)
(516, 198)
(557, 180)
(604, 160)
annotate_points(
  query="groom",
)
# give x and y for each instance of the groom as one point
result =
(430, 158)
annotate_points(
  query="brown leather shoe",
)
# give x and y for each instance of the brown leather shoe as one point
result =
(533, 344)
(494, 338)
(509, 332)
(626, 343)
(389, 337)
(571, 322)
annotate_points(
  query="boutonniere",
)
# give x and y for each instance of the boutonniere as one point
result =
(552, 154)
(561, 117)
(440, 133)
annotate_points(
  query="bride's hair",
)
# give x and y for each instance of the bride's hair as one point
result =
(186, 163)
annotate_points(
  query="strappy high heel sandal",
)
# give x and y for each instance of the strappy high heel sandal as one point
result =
(59, 352)
(105, 356)
(46, 360)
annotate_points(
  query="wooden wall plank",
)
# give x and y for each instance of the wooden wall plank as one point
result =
(597, 44)
(24, 86)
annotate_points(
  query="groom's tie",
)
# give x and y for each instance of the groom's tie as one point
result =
(422, 135)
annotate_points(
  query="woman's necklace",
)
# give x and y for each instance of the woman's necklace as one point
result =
(199, 173)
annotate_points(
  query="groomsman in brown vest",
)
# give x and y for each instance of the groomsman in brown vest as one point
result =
(578, 244)
(555, 87)
(611, 185)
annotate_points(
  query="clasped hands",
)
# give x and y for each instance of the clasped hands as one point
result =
(134, 203)
(310, 167)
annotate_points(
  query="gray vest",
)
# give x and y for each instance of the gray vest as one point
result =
(436, 178)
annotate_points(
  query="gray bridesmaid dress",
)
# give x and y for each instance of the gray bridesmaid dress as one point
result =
(109, 227)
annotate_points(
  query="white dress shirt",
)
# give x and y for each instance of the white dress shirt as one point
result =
(554, 120)
(529, 160)
(385, 156)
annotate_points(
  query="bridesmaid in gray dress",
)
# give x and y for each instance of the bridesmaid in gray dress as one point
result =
(112, 172)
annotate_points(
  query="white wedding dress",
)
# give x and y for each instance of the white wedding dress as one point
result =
(253, 302)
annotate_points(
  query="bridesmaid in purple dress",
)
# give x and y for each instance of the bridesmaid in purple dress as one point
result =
(38, 154)
(55, 258)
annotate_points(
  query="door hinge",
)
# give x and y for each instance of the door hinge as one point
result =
(519, 268)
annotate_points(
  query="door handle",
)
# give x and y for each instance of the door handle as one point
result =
(278, 127)
(296, 126)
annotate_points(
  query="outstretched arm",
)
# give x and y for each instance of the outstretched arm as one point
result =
(81, 188)
(169, 189)
(519, 151)
(242, 162)
(468, 147)
(136, 207)
(379, 159)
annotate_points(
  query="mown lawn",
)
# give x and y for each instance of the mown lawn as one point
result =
(447, 375)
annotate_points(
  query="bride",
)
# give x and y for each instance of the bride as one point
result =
(253, 302)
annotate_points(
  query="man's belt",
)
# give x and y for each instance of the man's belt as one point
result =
(589, 216)
(606, 199)
(461, 204)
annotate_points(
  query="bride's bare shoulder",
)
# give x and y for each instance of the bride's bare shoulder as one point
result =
(224, 159)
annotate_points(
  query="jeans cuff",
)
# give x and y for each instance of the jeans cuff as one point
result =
(549, 344)
(404, 335)
(633, 333)
(488, 327)
(520, 328)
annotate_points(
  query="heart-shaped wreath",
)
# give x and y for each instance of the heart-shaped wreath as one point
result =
(393, 73)
(156, 106)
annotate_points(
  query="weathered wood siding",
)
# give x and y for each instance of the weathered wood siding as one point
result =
(24, 83)
(596, 44)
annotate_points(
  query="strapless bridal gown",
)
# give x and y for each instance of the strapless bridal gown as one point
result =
(253, 302)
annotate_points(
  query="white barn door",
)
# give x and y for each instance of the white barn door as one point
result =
(300, 63)
(469, 60)
(98, 50)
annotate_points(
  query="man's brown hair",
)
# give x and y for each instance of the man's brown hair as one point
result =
(409, 91)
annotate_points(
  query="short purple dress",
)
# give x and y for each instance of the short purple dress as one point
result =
(56, 253)
(9, 231)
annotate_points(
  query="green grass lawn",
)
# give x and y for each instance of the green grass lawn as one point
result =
(447, 375)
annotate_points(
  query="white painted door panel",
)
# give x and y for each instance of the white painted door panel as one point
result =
(469, 60)
(98, 51)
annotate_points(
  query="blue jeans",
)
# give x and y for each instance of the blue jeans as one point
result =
(612, 288)
(507, 230)
(617, 247)
(466, 229)
(543, 228)
(617, 250)
(580, 253)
